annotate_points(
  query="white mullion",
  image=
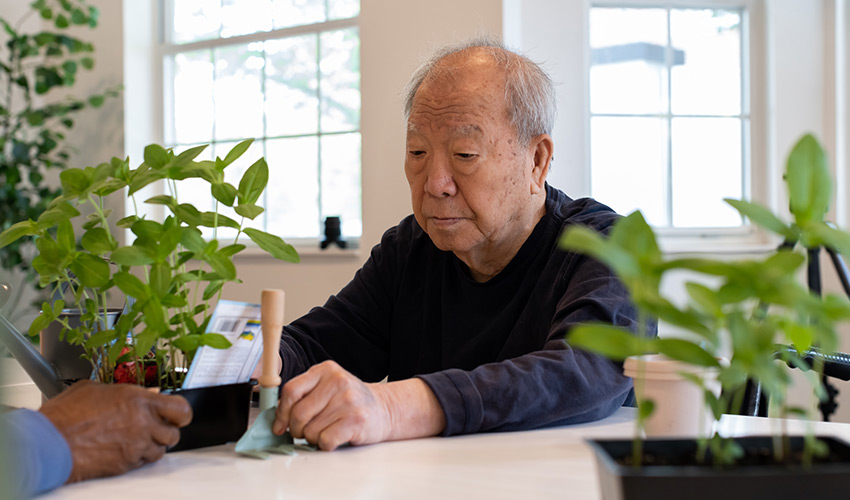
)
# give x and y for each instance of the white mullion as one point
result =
(262, 36)
(668, 61)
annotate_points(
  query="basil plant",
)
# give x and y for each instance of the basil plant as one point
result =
(750, 311)
(170, 271)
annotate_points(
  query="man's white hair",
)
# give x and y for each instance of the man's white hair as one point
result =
(529, 93)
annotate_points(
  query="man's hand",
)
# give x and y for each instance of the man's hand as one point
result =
(114, 428)
(329, 407)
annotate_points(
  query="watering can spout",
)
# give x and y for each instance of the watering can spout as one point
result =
(45, 375)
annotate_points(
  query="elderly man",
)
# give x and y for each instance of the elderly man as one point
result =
(464, 305)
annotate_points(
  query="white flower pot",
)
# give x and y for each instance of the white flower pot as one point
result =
(680, 410)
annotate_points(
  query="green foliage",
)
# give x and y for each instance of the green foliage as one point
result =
(169, 270)
(754, 306)
(32, 135)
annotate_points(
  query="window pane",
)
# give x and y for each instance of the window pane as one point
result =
(292, 100)
(629, 165)
(341, 181)
(195, 20)
(340, 80)
(709, 81)
(706, 169)
(293, 209)
(238, 91)
(193, 97)
(343, 9)
(242, 17)
(628, 72)
(287, 13)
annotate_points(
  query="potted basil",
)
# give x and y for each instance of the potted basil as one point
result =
(740, 317)
(170, 270)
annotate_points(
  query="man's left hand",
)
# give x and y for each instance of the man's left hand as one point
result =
(329, 407)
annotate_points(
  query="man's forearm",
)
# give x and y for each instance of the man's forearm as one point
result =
(413, 409)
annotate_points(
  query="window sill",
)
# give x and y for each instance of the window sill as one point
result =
(308, 253)
(741, 241)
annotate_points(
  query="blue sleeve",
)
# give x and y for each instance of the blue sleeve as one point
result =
(40, 453)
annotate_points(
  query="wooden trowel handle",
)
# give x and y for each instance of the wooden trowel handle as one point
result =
(271, 317)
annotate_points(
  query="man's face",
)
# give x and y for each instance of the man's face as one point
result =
(470, 179)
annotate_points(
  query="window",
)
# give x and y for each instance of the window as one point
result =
(285, 73)
(669, 116)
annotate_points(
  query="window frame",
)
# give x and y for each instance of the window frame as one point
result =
(758, 180)
(168, 49)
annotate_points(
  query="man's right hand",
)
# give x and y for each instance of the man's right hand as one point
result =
(114, 428)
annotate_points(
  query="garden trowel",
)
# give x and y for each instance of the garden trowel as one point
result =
(259, 440)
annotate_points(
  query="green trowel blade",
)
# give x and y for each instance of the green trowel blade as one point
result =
(260, 436)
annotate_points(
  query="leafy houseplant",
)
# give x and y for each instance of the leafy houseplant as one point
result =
(750, 307)
(169, 269)
(32, 134)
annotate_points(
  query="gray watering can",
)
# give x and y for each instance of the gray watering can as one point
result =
(59, 363)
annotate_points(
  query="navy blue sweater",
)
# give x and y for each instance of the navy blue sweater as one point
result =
(493, 353)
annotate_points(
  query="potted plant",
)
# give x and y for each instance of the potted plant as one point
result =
(32, 132)
(169, 270)
(739, 318)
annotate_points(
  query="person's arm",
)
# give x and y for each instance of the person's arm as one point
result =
(113, 428)
(555, 385)
(38, 454)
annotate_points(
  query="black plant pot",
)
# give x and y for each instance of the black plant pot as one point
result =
(661, 482)
(220, 415)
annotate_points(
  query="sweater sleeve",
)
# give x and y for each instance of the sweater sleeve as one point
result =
(41, 456)
(553, 386)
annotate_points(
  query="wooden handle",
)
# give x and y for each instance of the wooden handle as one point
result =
(271, 317)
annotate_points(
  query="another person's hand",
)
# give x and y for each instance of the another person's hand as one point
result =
(329, 407)
(114, 428)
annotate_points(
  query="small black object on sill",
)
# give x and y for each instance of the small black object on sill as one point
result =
(333, 233)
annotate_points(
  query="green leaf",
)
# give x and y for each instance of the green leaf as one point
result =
(645, 409)
(193, 240)
(221, 264)
(101, 338)
(831, 237)
(61, 21)
(75, 181)
(188, 343)
(809, 181)
(215, 340)
(92, 271)
(148, 229)
(763, 217)
(16, 232)
(686, 351)
(87, 62)
(162, 199)
(224, 193)
(231, 250)
(156, 156)
(274, 245)
(248, 211)
(132, 256)
(253, 182)
(190, 154)
(98, 241)
(607, 340)
(38, 324)
(160, 278)
(127, 222)
(704, 296)
(236, 152)
(131, 285)
(211, 219)
(65, 236)
(188, 214)
(212, 289)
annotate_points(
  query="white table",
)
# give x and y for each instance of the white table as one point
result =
(540, 464)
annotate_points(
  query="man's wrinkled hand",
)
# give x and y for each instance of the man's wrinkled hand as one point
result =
(114, 428)
(329, 407)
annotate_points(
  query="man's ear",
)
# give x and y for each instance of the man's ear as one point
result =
(542, 147)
